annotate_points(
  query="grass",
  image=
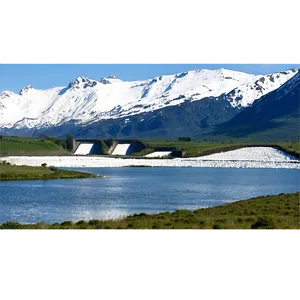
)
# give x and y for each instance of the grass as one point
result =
(200, 148)
(35, 146)
(29, 145)
(292, 148)
(13, 172)
(268, 212)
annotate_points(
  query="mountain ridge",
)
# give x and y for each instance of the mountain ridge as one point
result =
(84, 101)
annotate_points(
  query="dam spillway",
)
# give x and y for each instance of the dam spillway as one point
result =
(84, 149)
(121, 149)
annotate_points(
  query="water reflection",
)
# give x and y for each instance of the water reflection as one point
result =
(134, 190)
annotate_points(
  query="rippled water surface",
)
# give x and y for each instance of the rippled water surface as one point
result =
(127, 191)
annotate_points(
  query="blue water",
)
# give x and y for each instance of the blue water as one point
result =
(134, 190)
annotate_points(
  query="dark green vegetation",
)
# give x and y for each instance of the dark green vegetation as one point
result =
(204, 147)
(13, 172)
(268, 212)
(32, 145)
(189, 147)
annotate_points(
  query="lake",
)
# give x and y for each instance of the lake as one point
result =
(127, 191)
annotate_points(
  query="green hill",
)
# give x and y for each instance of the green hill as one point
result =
(29, 145)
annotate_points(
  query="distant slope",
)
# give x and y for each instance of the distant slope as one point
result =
(22, 145)
(184, 119)
(274, 116)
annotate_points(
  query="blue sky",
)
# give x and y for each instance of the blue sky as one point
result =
(43, 76)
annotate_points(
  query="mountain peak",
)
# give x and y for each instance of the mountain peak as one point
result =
(110, 79)
(25, 89)
(82, 81)
(6, 94)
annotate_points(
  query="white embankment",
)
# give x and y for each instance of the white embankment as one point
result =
(254, 157)
(159, 154)
(121, 149)
(84, 149)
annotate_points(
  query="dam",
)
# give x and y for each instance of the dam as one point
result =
(118, 147)
(121, 149)
(106, 147)
(84, 149)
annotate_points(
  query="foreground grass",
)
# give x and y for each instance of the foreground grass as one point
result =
(29, 145)
(13, 172)
(268, 212)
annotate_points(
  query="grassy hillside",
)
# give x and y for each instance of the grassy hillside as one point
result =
(276, 130)
(269, 212)
(29, 145)
(199, 148)
(12, 172)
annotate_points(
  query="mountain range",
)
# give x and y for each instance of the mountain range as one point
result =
(185, 104)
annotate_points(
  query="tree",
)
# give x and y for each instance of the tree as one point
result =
(70, 140)
(184, 139)
(43, 137)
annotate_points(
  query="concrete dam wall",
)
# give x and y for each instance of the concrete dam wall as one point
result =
(121, 149)
(109, 146)
(84, 149)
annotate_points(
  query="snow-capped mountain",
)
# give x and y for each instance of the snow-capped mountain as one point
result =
(273, 116)
(86, 101)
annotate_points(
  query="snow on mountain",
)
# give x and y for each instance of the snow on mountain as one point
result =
(85, 100)
(246, 94)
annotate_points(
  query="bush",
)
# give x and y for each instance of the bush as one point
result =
(120, 229)
(107, 229)
(80, 222)
(265, 222)
(67, 223)
(184, 139)
(94, 222)
(44, 165)
(156, 226)
(10, 225)
(52, 168)
(216, 226)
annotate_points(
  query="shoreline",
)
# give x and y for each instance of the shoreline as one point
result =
(250, 157)
(15, 173)
(101, 162)
(263, 212)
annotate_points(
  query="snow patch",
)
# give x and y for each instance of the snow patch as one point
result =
(256, 157)
(159, 154)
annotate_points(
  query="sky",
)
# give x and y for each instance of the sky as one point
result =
(13, 77)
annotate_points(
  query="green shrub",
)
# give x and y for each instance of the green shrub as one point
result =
(184, 139)
(80, 222)
(52, 168)
(94, 222)
(10, 225)
(67, 223)
(265, 222)
(120, 229)
(83, 228)
(107, 229)
(216, 226)
(155, 226)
